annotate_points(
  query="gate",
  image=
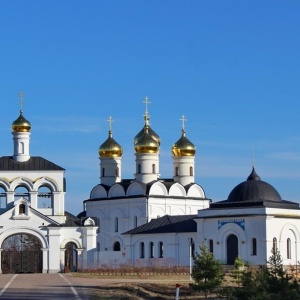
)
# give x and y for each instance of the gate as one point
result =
(21, 254)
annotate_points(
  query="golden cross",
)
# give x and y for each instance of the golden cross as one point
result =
(110, 120)
(21, 95)
(183, 119)
(146, 102)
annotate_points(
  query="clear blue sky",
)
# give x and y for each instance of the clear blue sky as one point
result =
(231, 67)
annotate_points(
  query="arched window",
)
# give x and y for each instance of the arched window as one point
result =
(21, 148)
(2, 198)
(135, 222)
(274, 248)
(288, 248)
(153, 169)
(117, 246)
(191, 171)
(176, 171)
(160, 250)
(21, 209)
(254, 246)
(139, 168)
(21, 191)
(211, 246)
(142, 250)
(45, 199)
(116, 224)
(103, 172)
(117, 172)
(151, 249)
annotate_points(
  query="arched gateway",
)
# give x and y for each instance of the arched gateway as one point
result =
(21, 253)
(232, 249)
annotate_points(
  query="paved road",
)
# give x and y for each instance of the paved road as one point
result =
(40, 286)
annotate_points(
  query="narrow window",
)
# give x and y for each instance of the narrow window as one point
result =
(21, 148)
(103, 172)
(139, 168)
(160, 250)
(288, 250)
(117, 246)
(116, 224)
(151, 246)
(153, 169)
(135, 222)
(117, 172)
(191, 171)
(142, 250)
(254, 246)
(21, 209)
(211, 246)
(176, 171)
(274, 248)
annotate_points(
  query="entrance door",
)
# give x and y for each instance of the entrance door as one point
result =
(232, 249)
(21, 254)
(71, 258)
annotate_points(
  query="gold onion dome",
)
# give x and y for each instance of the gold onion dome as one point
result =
(110, 148)
(150, 131)
(21, 124)
(146, 143)
(183, 147)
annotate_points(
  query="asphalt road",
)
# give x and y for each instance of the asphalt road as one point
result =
(41, 286)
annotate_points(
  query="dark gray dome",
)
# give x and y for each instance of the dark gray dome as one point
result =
(254, 189)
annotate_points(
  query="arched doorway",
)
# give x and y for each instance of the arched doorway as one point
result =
(21, 254)
(232, 249)
(71, 258)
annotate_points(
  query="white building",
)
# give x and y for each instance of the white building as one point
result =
(36, 234)
(120, 204)
(252, 222)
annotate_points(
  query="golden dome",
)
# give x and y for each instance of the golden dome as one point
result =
(110, 148)
(21, 124)
(146, 142)
(150, 131)
(183, 147)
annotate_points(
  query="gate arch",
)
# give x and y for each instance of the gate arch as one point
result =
(21, 253)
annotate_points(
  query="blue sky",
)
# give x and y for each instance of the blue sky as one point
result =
(231, 67)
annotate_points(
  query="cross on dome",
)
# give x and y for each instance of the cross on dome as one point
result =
(183, 119)
(110, 120)
(146, 116)
(21, 95)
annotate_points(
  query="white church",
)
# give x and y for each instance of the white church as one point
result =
(142, 221)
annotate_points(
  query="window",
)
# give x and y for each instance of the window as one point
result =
(135, 222)
(21, 209)
(21, 191)
(151, 250)
(116, 224)
(103, 172)
(288, 250)
(142, 250)
(160, 250)
(139, 168)
(117, 172)
(176, 171)
(2, 198)
(44, 197)
(21, 148)
(274, 248)
(254, 246)
(117, 246)
(153, 169)
(211, 246)
(191, 171)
